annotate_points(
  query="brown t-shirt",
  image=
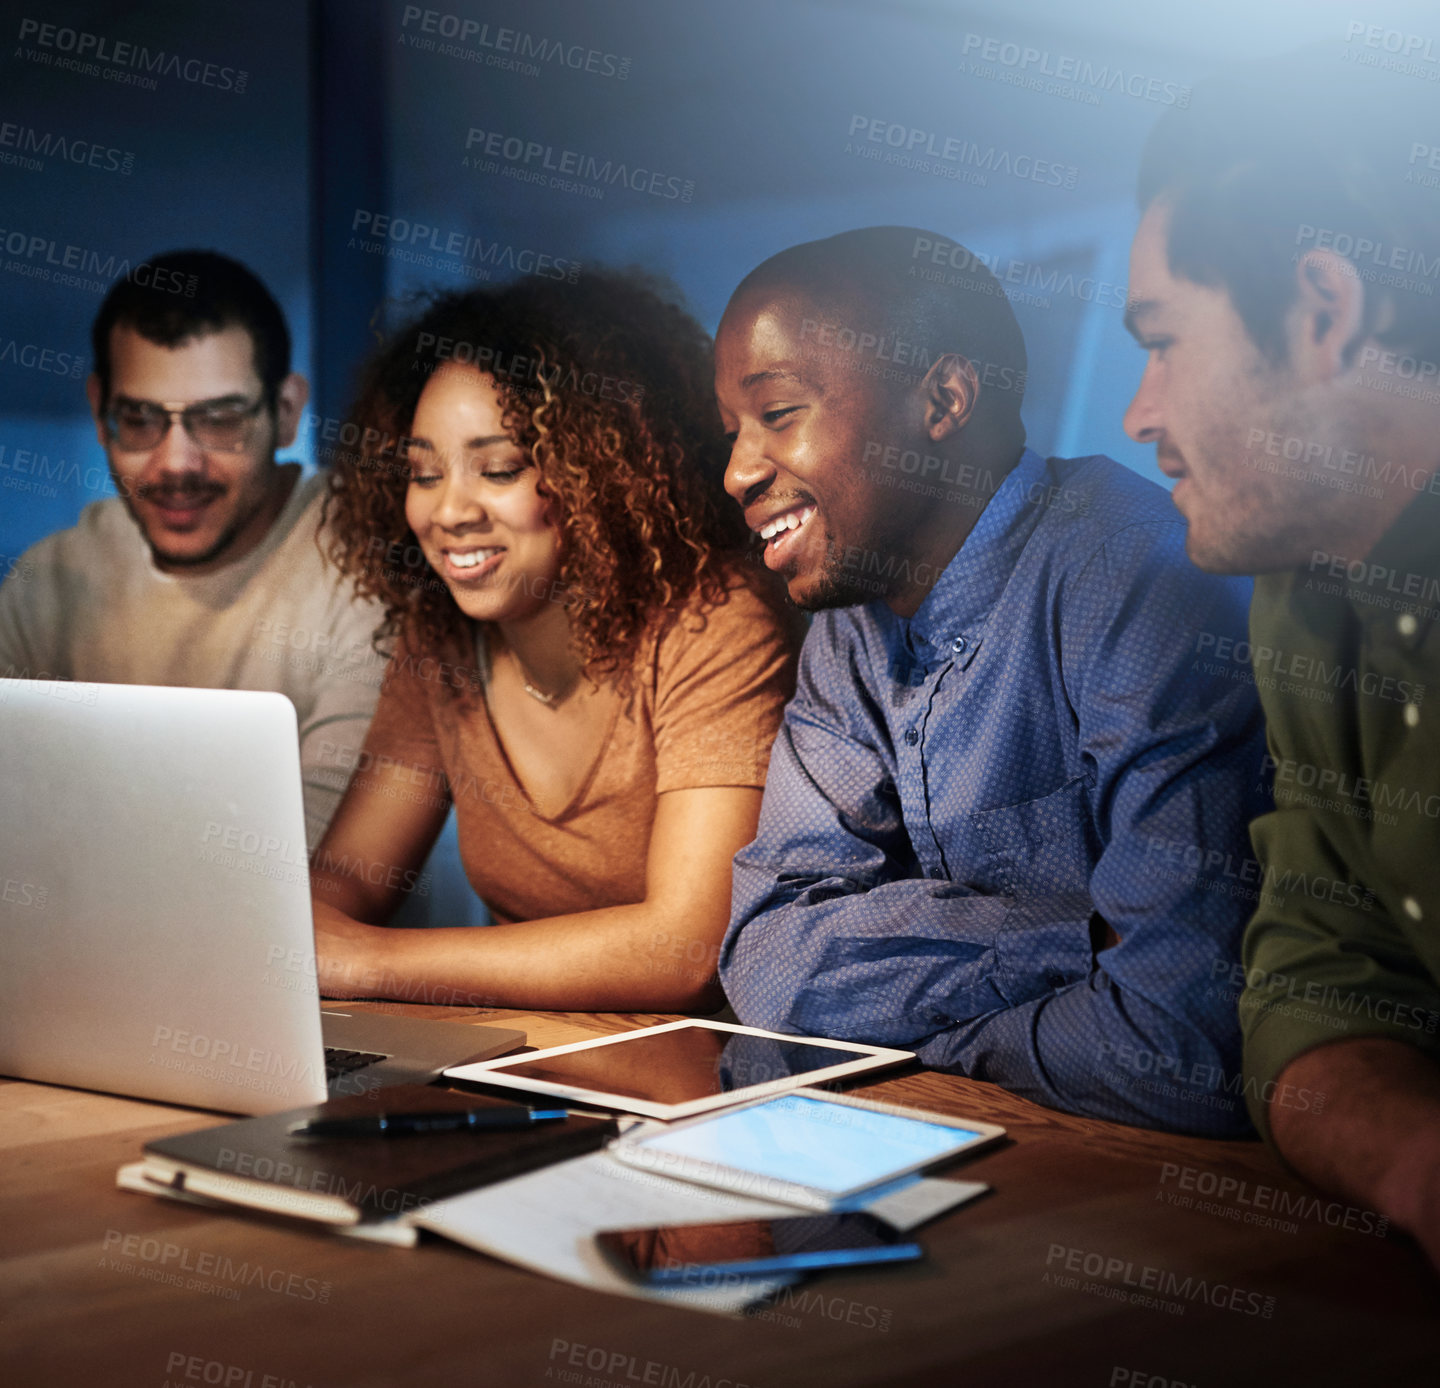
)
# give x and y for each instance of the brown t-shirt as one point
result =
(707, 701)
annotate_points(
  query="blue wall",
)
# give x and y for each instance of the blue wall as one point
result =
(282, 133)
(209, 148)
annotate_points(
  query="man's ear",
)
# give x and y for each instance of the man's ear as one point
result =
(95, 396)
(1327, 320)
(950, 389)
(290, 400)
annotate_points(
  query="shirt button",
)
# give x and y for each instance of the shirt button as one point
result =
(1412, 908)
(937, 872)
(958, 645)
(911, 736)
(1412, 715)
(1407, 624)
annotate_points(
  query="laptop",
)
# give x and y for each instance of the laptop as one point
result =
(156, 938)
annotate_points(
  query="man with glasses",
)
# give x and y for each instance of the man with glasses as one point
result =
(204, 570)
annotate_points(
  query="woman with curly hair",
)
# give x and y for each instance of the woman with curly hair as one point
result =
(581, 664)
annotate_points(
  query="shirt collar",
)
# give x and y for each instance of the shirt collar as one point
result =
(952, 617)
(1412, 544)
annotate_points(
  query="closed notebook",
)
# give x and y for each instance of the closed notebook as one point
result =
(260, 1163)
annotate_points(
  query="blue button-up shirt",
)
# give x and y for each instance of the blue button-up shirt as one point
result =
(959, 804)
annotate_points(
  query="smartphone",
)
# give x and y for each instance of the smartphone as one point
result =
(701, 1254)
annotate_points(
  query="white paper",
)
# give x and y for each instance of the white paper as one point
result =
(547, 1221)
(908, 1204)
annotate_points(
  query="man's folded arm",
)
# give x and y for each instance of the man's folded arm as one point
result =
(835, 932)
(1325, 961)
(831, 936)
(1342, 1059)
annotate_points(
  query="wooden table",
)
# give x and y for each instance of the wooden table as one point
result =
(1106, 1255)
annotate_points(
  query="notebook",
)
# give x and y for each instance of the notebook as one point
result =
(260, 1163)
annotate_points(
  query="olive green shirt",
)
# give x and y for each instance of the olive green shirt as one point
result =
(1346, 939)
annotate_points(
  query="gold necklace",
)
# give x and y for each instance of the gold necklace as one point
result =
(546, 699)
(533, 690)
(530, 687)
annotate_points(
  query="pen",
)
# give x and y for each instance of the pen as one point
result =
(410, 1124)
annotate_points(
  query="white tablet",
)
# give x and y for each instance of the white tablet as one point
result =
(680, 1068)
(806, 1148)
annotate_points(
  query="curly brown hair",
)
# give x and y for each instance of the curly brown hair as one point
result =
(608, 387)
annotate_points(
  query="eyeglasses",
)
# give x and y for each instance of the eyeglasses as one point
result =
(137, 426)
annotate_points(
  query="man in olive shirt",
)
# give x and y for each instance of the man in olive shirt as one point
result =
(1285, 283)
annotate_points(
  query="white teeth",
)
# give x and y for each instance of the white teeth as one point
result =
(472, 558)
(791, 520)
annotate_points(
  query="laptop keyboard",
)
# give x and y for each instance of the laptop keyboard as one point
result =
(338, 1062)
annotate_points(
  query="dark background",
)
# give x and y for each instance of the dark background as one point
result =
(752, 102)
(274, 127)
